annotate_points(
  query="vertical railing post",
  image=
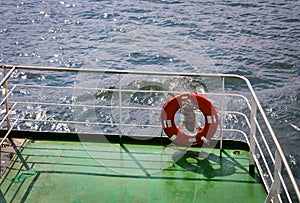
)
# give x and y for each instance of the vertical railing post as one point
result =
(120, 109)
(6, 109)
(252, 135)
(6, 100)
(276, 185)
(221, 115)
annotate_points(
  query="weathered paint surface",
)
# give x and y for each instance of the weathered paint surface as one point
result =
(97, 172)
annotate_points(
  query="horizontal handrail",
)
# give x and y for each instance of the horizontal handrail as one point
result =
(86, 122)
(111, 71)
(84, 105)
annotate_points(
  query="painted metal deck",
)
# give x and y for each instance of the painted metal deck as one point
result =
(64, 171)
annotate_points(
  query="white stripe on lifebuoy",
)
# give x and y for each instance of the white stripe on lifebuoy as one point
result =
(192, 140)
(209, 120)
(184, 97)
(169, 124)
(173, 137)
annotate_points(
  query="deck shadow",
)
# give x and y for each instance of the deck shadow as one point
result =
(209, 165)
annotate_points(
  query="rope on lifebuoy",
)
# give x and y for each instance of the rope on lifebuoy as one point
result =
(175, 133)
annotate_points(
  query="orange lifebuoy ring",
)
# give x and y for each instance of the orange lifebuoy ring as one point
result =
(175, 134)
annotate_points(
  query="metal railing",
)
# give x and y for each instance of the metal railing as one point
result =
(27, 101)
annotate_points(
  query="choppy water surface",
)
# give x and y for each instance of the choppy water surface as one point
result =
(257, 39)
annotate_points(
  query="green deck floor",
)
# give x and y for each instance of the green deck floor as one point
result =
(97, 172)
